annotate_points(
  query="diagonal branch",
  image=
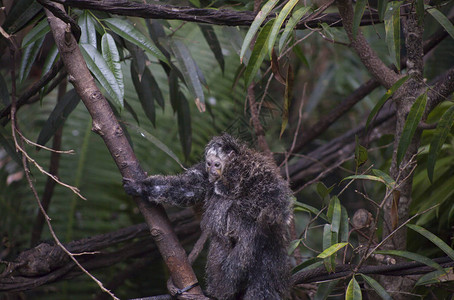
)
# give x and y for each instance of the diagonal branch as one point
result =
(384, 75)
(106, 125)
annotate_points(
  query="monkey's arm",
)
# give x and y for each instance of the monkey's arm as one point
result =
(181, 190)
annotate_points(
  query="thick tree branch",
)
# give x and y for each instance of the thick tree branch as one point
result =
(386, 76)
(48, 263)
(106, 125)
(225, 17)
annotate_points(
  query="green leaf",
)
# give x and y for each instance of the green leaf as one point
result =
(87, 28)
(324, 289)
(37, 32)
(329, 239)
(344, 228)
(360, 7)
(293, 245)
(112, 58)
(412, 256)
(155, 141)
(144, 93)
(438, 139)
(334, 214)
(174, 90)
(381, 7)
(287, 98)
(309, 264)
(434, 239)
(300, 55)
(388, 180)
(385, 97)
(310, 209)
(377, 287)
(101, 71)
(353, 290)
(28, 57)
(131, 34)
(420, 11)
(7, 144)
(278, 23)
(263, 13)
(258, 54)
(190, 73)
(184, 125)
(322, 190)
(51, 58)
(442, 19)
(22, 13)
(433, 277)
(361, 155)
(410, 126)
(4, 93)
(332, 250)
(291, 23)
(213, 43)
(365, 177)
(57, 117)
(392, 30)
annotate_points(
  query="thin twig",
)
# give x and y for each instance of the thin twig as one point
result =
(26, 158)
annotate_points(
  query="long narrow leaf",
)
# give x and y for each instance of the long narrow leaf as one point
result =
(377, 287)
(278, 23)
(258, 54)
(334, 214)
(87, 28)
(434, 239)
(213, 43)
(324, 289)
(155, 141)
(353, 290)
(381, 7)
(58, 116)
(331, 250)
(392, 29)
(4, 93)
(39, 31)
(438, 139)
(28, 57)
(410, 126)
(442, 19)
(112, 58)
(131, 34)
(190, 73)
(99, 68)
(144, 93)
(360, 7)
(287, 98)
(263, 13)
(432, 277)
(412, 256)
(291, 23)
(184, 125)
(385, 97)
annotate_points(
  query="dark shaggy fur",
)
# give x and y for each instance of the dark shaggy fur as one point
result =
(247, 213)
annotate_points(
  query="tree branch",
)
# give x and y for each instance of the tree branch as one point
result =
(225, 17)
(106, 125)
(386, 76)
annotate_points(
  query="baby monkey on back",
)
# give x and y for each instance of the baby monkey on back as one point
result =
(247, 211)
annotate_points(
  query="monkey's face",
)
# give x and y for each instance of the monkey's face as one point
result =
(214, 166)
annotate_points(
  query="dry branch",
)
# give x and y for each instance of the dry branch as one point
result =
(106, 125)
